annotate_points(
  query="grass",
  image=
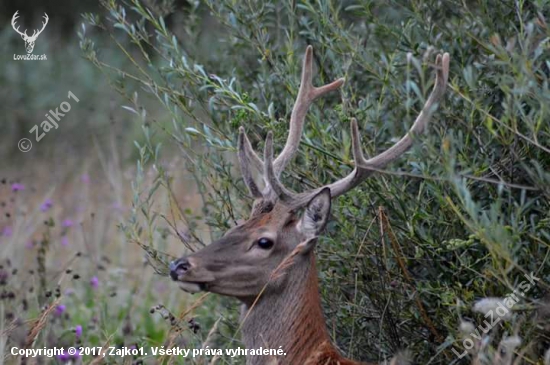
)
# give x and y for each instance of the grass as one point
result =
(66, 264)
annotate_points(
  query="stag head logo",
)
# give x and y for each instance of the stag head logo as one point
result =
(29, 40)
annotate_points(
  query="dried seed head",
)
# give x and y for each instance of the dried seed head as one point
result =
(466, 328)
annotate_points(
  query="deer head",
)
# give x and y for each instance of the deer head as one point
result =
(29, 41)
(268, 260)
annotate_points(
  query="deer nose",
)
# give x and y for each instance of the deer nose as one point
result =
(178, 267)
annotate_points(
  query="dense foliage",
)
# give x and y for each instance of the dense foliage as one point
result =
(463, 216)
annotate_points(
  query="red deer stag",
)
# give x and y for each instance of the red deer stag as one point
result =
(268, 261)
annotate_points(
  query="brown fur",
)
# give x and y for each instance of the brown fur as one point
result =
(292, 319)
(326, 354)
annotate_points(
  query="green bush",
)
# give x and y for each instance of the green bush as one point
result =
(462, 216)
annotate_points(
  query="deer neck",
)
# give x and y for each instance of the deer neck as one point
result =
(292, 319)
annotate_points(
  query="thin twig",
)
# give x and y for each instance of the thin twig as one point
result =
(406, 274)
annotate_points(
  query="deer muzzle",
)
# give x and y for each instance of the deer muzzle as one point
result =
(188, 277)
(178, 268)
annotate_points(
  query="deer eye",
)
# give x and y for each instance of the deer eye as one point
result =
(265, 243)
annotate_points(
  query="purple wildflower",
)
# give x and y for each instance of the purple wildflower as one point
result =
(7, 231)
(118, 207)
(4, 276)
(160, 287)
(64, 356)
(94, 282)
(60, 309)
(17, 187)
(85, 178)
(67, 223)
(78, 331)
(29, 245)
(46, 205)
(64, 241)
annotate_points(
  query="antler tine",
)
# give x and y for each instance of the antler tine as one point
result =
(364, 168)
(14, 18)
(356, 144)
(247, 148)
(271, 179)
(306, 95)
(13, 21)
(419, 125)
(247, 156)
(44, 23)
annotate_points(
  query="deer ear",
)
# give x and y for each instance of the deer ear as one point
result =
(316, 214)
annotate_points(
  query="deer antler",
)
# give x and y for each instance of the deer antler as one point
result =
(306, 96)
(36, 33)
(363, 167)
(13, 19)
